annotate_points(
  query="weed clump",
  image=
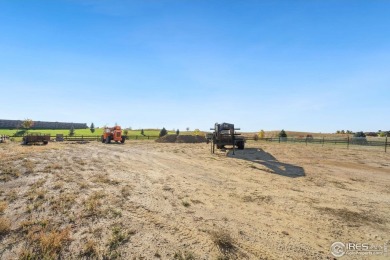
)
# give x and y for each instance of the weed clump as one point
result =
(5, 226)
(223, 240)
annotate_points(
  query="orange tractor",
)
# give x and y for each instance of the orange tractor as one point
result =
(113, 134)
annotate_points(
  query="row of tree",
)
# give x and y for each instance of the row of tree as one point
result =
(359, 134)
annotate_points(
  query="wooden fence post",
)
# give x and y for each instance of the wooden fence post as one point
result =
(306, 140)
(348, 143)
(323, 140)
(386, 144)
(279, 139)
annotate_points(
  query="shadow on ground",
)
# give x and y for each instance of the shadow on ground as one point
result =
(270, 162)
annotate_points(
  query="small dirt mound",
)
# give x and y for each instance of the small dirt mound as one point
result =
(181, 139)
(190, 139)
(167, 139)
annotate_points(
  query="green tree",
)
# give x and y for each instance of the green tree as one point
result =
(126, 131)
(27, 124)
(92, 128)
(72, 131)
(177, 132)
(163, 132)
(359, 134)
(188, 129)
(282, 133)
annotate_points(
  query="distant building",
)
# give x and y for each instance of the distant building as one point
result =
(13, 124)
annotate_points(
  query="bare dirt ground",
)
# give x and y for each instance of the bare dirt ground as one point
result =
(147, 200)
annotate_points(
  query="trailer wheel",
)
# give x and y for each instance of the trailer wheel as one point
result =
(45, 142)
(240, 145)
(123, 139)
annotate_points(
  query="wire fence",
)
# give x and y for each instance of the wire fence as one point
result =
(76, 138)
(348, 141)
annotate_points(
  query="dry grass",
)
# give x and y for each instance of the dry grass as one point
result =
(36, 194)
(90, 250)
(257, 198)
(5, 226)
(82, 184)
(186, 255)
(352, 217)
(119, 236)
(126, 191)
(12, 195)
(52, 167)
(38, 183)
(224, 241)
(63, 203)
(29, 166)
(58, 185)
(103, 178)
(8, 172)
(93, 204)
(3, 206)
(176, 201)
(44, 243)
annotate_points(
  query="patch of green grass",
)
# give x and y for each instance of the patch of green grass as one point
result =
(85, 132)
(98, 132)
(119, 237)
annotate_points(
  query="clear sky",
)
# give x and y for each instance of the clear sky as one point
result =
(299, 65)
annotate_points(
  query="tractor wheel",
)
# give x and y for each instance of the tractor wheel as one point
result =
(108, 140)
(241, 145)
(123, 139)
(219, 146)
(103, 140)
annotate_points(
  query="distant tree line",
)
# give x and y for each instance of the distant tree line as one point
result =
(361, 133)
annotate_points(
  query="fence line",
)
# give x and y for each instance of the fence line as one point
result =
(356, 141)
(93, 137)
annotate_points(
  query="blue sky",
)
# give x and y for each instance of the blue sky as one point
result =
(299, 65)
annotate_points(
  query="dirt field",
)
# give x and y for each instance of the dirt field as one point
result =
(147, 200)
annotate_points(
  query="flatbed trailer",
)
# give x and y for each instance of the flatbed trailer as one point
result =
(36, 138)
